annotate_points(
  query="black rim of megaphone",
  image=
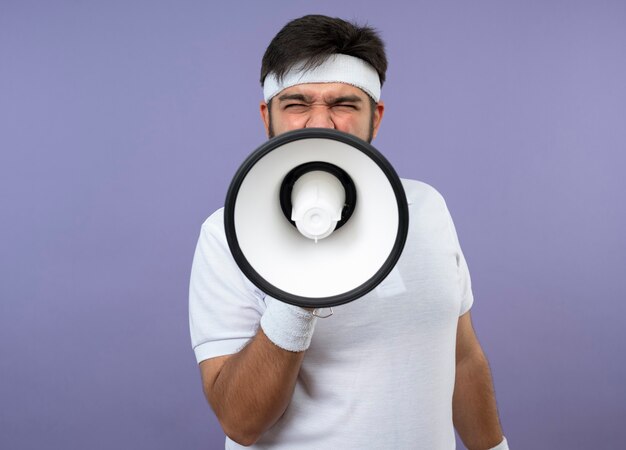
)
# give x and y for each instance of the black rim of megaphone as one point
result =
(315, 302)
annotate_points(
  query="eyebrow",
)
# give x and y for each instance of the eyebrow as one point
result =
(334, 101)
(346, 99)
(300, 97)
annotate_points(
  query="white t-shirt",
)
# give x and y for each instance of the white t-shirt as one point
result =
(379, 373)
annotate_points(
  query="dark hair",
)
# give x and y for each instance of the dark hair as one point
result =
(314, 38)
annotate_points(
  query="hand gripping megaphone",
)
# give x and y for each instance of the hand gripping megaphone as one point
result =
(316, 217)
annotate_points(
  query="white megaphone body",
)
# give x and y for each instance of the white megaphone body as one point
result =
(316, 218)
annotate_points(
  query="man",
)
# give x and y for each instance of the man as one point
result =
(396, 369)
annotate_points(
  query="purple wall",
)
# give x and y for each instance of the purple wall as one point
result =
(121, 124)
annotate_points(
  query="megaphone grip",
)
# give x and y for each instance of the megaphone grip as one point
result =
(289, 327)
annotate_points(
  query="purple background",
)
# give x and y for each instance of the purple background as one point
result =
(121, 124)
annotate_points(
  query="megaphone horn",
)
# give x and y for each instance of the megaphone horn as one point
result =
(295, 227)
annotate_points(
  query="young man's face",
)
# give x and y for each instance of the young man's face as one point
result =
(339, 106)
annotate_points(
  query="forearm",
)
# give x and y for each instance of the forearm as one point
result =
(254, 388)
(474, 405)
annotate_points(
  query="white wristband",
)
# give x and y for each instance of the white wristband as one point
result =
(504, 445)
(289, 327)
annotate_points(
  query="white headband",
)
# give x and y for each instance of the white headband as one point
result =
(337, 68)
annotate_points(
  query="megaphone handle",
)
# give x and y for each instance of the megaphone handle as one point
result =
(316, 313)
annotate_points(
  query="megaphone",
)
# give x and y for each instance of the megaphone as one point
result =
(316, 217)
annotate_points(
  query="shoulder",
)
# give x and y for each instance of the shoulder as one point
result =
(212, 235)
(216, 219)
(420, 193)
(214, 224)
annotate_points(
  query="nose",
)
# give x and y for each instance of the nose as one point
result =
(320, 118)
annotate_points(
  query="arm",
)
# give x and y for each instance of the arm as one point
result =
(475, 413)
(251, 389)
(248, 388)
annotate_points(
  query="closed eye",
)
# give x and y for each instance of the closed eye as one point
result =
(346, 106)
(294, 105)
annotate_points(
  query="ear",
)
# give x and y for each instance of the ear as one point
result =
(379, 110)
(265, 116)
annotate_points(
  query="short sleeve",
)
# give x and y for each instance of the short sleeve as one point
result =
(465, 281)
(224, 307)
